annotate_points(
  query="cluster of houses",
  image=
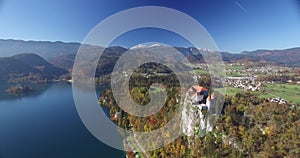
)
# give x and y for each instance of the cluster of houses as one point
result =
(268, 68)
(198, 113)
(246, 83)
(291, 81)
(278, 100)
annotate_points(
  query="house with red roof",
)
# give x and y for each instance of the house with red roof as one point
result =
(198, 94)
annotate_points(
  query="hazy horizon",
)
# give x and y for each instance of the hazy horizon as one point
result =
(235, 25)
(74, 42)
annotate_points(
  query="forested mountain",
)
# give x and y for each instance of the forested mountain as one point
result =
(105, 65)
(10, 65)
(39, 64)
(22, 65)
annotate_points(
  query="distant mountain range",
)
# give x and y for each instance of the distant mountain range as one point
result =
(44, 49)
(289, 57)
(111, 55)
(62, 54)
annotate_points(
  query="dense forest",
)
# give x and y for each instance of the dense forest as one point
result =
(248, 126)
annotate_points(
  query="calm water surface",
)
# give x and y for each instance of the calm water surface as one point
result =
(47, 125)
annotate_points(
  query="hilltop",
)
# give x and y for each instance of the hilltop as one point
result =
(28, 64)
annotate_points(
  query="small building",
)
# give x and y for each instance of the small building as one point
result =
(198, 94)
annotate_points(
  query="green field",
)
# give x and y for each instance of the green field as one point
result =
(231, 91)
(234, 67)
(286, 91)
(289, 92)
(200, 72)
(234, 74)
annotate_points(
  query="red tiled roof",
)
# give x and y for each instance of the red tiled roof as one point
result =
(199, 88)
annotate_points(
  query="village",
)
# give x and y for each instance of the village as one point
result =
(267, 80)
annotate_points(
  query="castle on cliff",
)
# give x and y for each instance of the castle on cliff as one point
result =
(198, 112)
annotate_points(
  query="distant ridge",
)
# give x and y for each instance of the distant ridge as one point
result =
(57, 52)
(44, 49)
(289, 57)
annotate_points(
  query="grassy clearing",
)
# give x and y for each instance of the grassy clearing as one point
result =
(234, 67)
(289, 92)
(200, 72)
(156, 89)
(231, 91)
(234, 74)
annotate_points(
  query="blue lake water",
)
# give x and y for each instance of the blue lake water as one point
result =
(46, 125)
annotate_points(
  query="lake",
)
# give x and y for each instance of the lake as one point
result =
(46, 125)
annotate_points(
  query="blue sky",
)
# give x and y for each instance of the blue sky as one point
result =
(235, 25)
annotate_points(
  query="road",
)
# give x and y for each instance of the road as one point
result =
(141, 149)
(135, 146)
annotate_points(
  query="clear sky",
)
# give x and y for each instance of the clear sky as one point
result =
(235, 25)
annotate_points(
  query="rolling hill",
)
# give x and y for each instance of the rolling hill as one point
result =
(39, 64)
(25, 64)
(10, 65)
